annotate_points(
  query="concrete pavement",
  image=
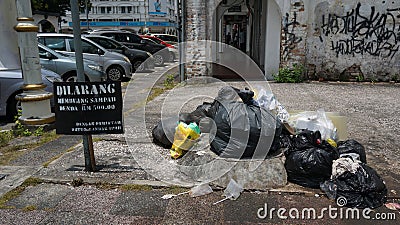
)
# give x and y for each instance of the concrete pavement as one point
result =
(121, 192)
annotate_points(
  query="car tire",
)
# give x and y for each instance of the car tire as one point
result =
(115, 73)
(158, 60)
(13, 105)
(171, 57)
(71, 77)
(138, 65)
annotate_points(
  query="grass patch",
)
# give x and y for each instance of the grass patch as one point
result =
(29, 208)
(154, 93)
(5, 137)
(105, 186)
(177, 189)
(32, 181)
(135, 187)
(10, 153)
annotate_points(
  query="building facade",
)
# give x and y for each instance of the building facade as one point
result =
(141, 16)
(332, 39)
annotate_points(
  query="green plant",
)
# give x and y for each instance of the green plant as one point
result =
(5, 137)
(360, 78)
(20, 130)
(169, 81)
(290, 75)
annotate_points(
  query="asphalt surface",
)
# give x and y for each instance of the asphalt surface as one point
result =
(70, 195)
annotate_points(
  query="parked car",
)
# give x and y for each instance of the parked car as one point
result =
(116, 65)
(170, 39)
(65, 65)
(160, 52)
(172, 49)
(140, 60)
(11, 83)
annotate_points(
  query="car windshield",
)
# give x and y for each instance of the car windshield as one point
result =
(156, 40)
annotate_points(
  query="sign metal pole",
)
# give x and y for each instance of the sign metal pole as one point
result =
(90, 164)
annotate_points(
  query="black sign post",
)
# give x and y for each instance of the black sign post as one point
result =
(86, 108)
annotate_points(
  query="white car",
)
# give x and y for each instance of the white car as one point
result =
(65, 65)
(117, 66)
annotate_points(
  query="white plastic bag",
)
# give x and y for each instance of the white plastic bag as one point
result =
(268, 101)
(315, 121)
(232, 191)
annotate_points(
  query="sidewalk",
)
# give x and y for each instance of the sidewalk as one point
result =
(103, 199)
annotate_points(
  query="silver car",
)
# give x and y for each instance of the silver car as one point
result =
(117, 66)
(11, 83)
(65, 65)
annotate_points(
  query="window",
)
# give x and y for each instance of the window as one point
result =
(42, 53)
(129, 9)
(56, 43)
(86, 47)
(123, 9)
(105, 43)
(103, 10)
(109, 9)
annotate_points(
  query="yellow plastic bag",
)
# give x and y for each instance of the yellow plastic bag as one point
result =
(185, 137)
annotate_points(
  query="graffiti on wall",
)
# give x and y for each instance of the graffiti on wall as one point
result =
(376, 34)
(290, 39)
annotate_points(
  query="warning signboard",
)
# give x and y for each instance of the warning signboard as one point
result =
(88, 108)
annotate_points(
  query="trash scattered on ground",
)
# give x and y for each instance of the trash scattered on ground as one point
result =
(352, 148)
(393, 206)
(314, 121)
(309, 159)
(267, 100)
(163, 133)
(168, 196)
(232, 191)
(244, 130)
(359, 186)
(249, 125)
(185, 137)
(200, 190)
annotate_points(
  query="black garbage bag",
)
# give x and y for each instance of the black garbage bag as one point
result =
(163, 133)
(309, 160)
(363, 188)
(244, 131)
(349, 147)
(194, 117)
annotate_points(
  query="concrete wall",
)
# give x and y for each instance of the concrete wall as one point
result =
(354, 39)
(333, 39)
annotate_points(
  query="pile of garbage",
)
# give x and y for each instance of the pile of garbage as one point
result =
(255, 126)
(244, 129)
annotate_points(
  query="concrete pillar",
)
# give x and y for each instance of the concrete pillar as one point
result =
(9, 57)
(34, 100)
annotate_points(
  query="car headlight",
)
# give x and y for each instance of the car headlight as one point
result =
(149, 54)
(52, 79)
(96, 67)
(126, 59)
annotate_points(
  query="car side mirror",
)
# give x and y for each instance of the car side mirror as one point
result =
(49, 55)
(100, 52)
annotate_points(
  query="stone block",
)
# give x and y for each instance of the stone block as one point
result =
(203, 165)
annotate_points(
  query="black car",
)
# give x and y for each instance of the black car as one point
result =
(160, 52)
(141, 60)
